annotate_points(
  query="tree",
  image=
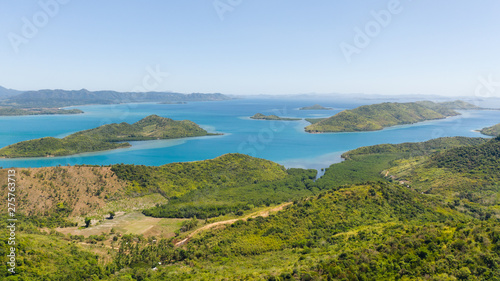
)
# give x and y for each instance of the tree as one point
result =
(111, 215)
(87, 222)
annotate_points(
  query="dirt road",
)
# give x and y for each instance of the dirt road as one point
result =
(263, 213)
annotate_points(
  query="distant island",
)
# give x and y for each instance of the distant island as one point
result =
(491, 131)
(10, 111)
(105, 137)
(261, 116)
(458, 104)
(62, 98)
(378, 116)
(315, 107)
(173, 102)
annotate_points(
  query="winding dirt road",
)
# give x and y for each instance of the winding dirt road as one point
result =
(263, 213)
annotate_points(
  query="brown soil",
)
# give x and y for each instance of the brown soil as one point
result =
(78, 189)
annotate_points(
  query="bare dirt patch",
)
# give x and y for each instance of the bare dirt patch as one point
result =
(80, 190)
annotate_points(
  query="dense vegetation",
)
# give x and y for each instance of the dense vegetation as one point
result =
(261, 116)
(62, 98)
(412, 211)
(466, 178)
(378, 116)
(491, 131)
(374, 231)
(10, 111)
(177, 179)
(105, 137)
(315, 107)
(216, 201)
(478, 160)
(367, 163)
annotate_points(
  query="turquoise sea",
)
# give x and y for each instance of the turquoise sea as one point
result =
(284, 142)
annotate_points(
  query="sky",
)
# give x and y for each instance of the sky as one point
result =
(252, 47)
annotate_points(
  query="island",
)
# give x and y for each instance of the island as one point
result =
(11, 111)
(106, 137)
(173, 102)
(315, 107)
(261, 116)
(491, 131)
(378, 116)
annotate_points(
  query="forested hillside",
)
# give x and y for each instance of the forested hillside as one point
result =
(62, 98)
(491, 131)
(412, 211)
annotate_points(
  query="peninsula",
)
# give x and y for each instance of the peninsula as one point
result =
(491, 131)
(105, 137)
(378, 116)
(10, 111)
(261, 116)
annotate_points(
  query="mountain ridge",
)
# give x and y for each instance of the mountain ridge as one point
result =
(61, 98)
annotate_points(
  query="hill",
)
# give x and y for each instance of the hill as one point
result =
(491, 131)
(66, 191)
(177, 179)
(80, 190)
(413, 211)
(62, 98)
(366, 163)
(5, 93)
(105, 137)
(222, 199)
(459, 104)
(378, 116)
(315, 107)
(261, 116)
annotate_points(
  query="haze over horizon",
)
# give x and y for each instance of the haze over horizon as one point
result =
(253, 47)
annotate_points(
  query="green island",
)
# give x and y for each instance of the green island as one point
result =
(106, 137)
(410, 211)
(491, 131)
(378, 116)
(315, 107)
(459, 104)
(261, 116)
(10, 111)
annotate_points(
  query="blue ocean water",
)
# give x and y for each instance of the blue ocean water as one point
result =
(284, 142)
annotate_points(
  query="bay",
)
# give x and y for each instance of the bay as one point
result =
(284, 142)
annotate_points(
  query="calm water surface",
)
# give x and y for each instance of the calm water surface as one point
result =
(284, 142)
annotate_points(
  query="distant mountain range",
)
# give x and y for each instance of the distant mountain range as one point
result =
(61, 98)
(4, 92)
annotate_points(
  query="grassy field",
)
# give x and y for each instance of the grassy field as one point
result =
(129, 223)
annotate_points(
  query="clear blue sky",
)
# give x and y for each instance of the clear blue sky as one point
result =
(258, 47)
